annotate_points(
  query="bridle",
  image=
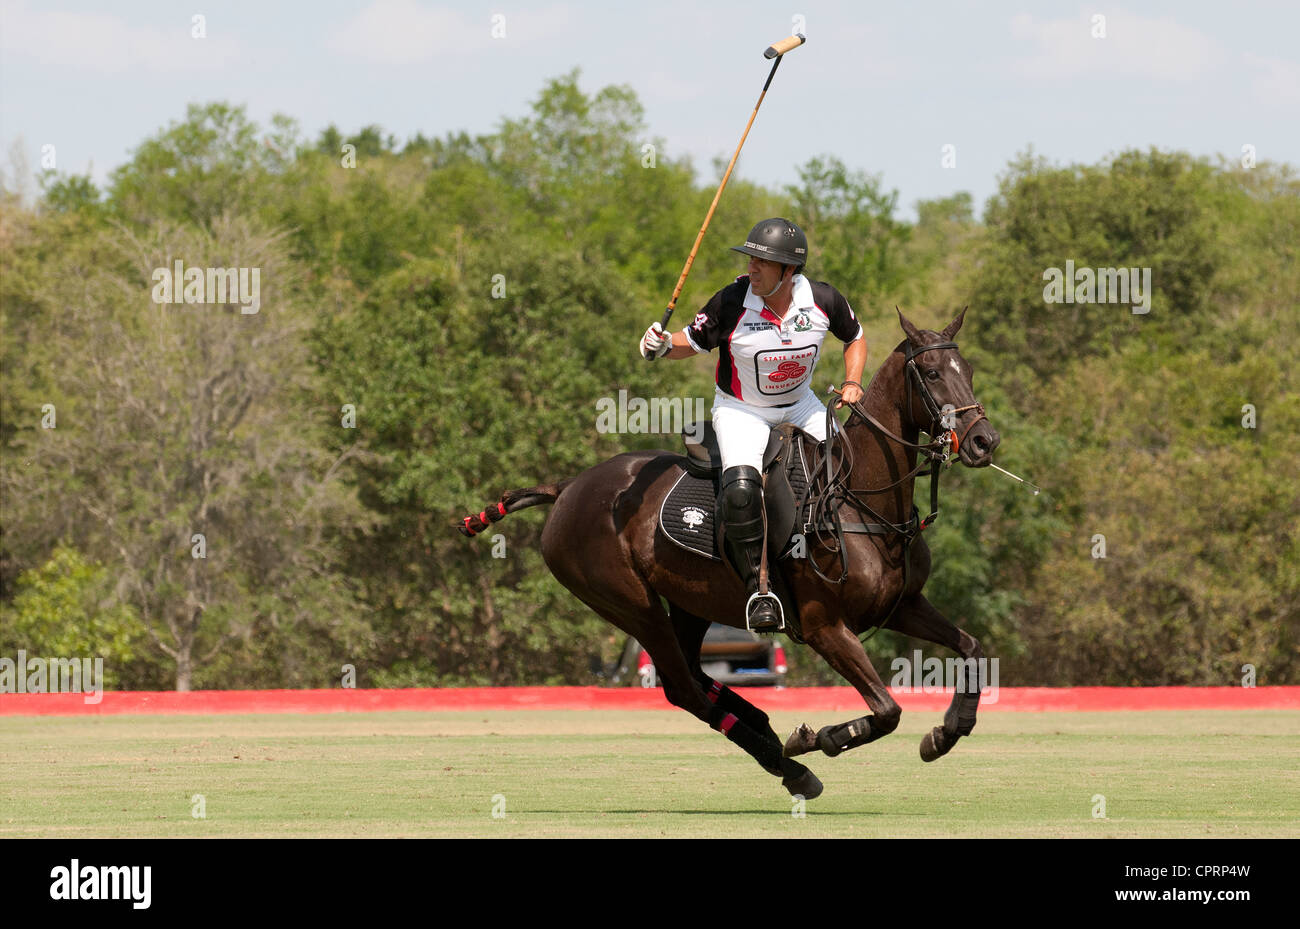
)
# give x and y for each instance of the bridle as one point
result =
(937, 415)
(825, 502)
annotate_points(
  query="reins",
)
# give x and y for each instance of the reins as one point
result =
(825, 503)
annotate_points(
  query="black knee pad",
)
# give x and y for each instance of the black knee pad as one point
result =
(740, 502)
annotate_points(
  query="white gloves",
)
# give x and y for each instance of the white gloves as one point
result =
(655, 343)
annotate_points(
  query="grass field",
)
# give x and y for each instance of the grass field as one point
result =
(643, 774)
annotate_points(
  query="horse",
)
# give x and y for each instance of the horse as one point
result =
(600, 542)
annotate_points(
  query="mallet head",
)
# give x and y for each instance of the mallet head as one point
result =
(780, 48)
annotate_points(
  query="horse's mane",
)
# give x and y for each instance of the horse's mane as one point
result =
(930, 337)
(871, 383)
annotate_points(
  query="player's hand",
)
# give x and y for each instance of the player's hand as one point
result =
(655, 343)
(851, 393)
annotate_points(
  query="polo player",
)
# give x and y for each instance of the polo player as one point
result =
(768, 327)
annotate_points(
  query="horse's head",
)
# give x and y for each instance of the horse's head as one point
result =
(937, 376)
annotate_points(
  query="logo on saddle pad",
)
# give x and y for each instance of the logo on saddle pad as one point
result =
(693, 517)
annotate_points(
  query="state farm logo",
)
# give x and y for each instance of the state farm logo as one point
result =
(787, 370)
(783, 370)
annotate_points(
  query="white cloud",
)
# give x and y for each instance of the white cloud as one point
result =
(1134, 46)
(107, 44)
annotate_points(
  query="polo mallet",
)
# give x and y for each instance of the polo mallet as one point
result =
(1020, 479)
(776, 51)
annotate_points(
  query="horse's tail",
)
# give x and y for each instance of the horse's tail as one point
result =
(510, 501)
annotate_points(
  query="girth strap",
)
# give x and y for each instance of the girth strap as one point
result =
(863, 528)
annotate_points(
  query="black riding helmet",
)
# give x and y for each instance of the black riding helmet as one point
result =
(776, 240)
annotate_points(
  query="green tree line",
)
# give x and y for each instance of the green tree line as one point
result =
(211, 497)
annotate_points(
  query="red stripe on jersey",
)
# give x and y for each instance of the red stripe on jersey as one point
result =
(823, 312)
(735, 368)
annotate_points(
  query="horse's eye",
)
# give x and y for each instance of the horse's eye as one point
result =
(932, 374)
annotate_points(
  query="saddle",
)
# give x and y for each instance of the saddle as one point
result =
(687, 516)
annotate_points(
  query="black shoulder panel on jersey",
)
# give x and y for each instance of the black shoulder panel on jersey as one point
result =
(844, 325)
(714, 324)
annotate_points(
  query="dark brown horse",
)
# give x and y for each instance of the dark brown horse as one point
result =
(600, 541)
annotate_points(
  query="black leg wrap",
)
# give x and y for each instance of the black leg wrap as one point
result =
(966, 715)
(835, 739)
(744, 711)
(967, 699)
(767, 752)
(961, 714)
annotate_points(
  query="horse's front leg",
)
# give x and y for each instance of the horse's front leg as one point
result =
(917, 617)
(843, 652)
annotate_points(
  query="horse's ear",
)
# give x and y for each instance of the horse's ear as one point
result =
(953, 326)
(913, 335)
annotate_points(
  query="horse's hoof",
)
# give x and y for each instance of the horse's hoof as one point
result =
(936, 744)
(805, 785)
(802, 740)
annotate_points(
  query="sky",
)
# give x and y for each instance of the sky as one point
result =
(884, 87)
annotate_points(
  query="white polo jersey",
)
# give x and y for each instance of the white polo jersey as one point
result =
(764, 360)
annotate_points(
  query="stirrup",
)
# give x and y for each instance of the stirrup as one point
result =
(780, 613)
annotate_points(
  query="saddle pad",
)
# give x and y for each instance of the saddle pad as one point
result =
(686, 516)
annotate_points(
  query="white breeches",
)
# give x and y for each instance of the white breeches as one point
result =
(743, 429)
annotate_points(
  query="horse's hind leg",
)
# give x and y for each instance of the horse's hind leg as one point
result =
(657, 634)
(691, 630)
(917, 617)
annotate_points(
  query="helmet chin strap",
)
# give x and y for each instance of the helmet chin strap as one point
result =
(779, 285)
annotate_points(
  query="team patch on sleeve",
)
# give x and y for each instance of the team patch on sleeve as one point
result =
(704, 332)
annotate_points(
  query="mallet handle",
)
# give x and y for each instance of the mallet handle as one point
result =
(776, 51)
(690, 259)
